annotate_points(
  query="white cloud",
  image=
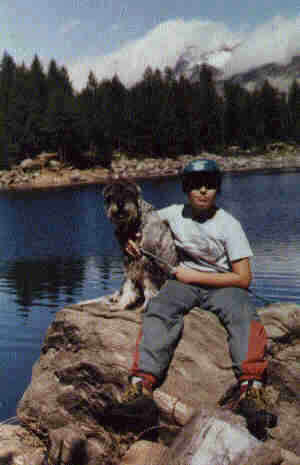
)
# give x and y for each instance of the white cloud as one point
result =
(67, 27)
(115, 27)
(277, 40)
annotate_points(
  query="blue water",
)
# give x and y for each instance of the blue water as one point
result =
(57, 248)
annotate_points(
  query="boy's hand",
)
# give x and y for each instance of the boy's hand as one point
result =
(184, 274)
(132, 249)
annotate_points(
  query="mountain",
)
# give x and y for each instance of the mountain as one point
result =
(280, 76)
(191, 59)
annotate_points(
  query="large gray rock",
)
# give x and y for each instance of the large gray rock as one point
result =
(84, 362)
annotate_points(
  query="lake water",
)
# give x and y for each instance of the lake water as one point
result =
(57, 248)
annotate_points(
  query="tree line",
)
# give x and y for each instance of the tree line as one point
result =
(158, 116)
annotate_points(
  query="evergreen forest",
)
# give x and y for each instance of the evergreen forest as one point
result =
(159, 116)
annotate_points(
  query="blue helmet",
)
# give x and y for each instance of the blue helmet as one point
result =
(201, 172)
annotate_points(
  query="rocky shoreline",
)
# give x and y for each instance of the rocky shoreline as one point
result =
(46, 171)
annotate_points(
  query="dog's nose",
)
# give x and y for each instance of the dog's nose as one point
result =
(117, 208)
(120, 203)
(113, 209)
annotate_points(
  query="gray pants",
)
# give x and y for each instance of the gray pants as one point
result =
(163, 325)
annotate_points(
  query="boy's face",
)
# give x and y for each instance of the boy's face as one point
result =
(202, 199)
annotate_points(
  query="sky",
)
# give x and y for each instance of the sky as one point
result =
(124, 37)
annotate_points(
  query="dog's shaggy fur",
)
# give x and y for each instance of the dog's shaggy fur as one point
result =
(134, 218)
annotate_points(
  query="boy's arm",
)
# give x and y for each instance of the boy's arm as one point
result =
(240, 276)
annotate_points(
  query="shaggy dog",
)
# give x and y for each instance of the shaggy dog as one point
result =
(135, 219)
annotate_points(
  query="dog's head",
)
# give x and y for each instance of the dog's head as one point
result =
(121, 202)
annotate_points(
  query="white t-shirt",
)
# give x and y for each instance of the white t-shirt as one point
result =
(219, 240)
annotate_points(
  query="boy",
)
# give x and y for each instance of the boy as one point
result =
(214, 273)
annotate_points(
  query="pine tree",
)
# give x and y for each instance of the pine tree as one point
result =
(89, 101)
(231, 115)
(109, 131)
(38, 84)
(205, 111)
(117, 111)
(165, 141)
(294, 111)
(270, 108)
(237, 115)
(33, 137)
(58, 78)
(147, 99)
(8, 71)
(248, 120)
(3, 143)
(63, 123)
(21, 113)
(283, 111)
(130, 141)
(63, 127)
(98, 131)
(183, 102)
(258, 120)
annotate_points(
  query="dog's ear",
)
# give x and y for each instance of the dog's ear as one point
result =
(138, 188)
(105, 190)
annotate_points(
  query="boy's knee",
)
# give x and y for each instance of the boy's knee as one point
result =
(233, 295)
(236, 302)
(171, 291)
(173, 299)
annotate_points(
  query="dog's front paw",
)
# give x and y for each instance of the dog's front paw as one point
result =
(127, 303)
(114, 302)
(128, 297)
(114, 298)
(116, 308)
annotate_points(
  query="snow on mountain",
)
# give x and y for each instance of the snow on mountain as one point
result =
(279, 75)
(191, 58)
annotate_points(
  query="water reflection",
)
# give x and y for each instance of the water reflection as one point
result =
(30, 281)
(58, 281)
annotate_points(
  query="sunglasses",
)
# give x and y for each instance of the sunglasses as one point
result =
(195, 183)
